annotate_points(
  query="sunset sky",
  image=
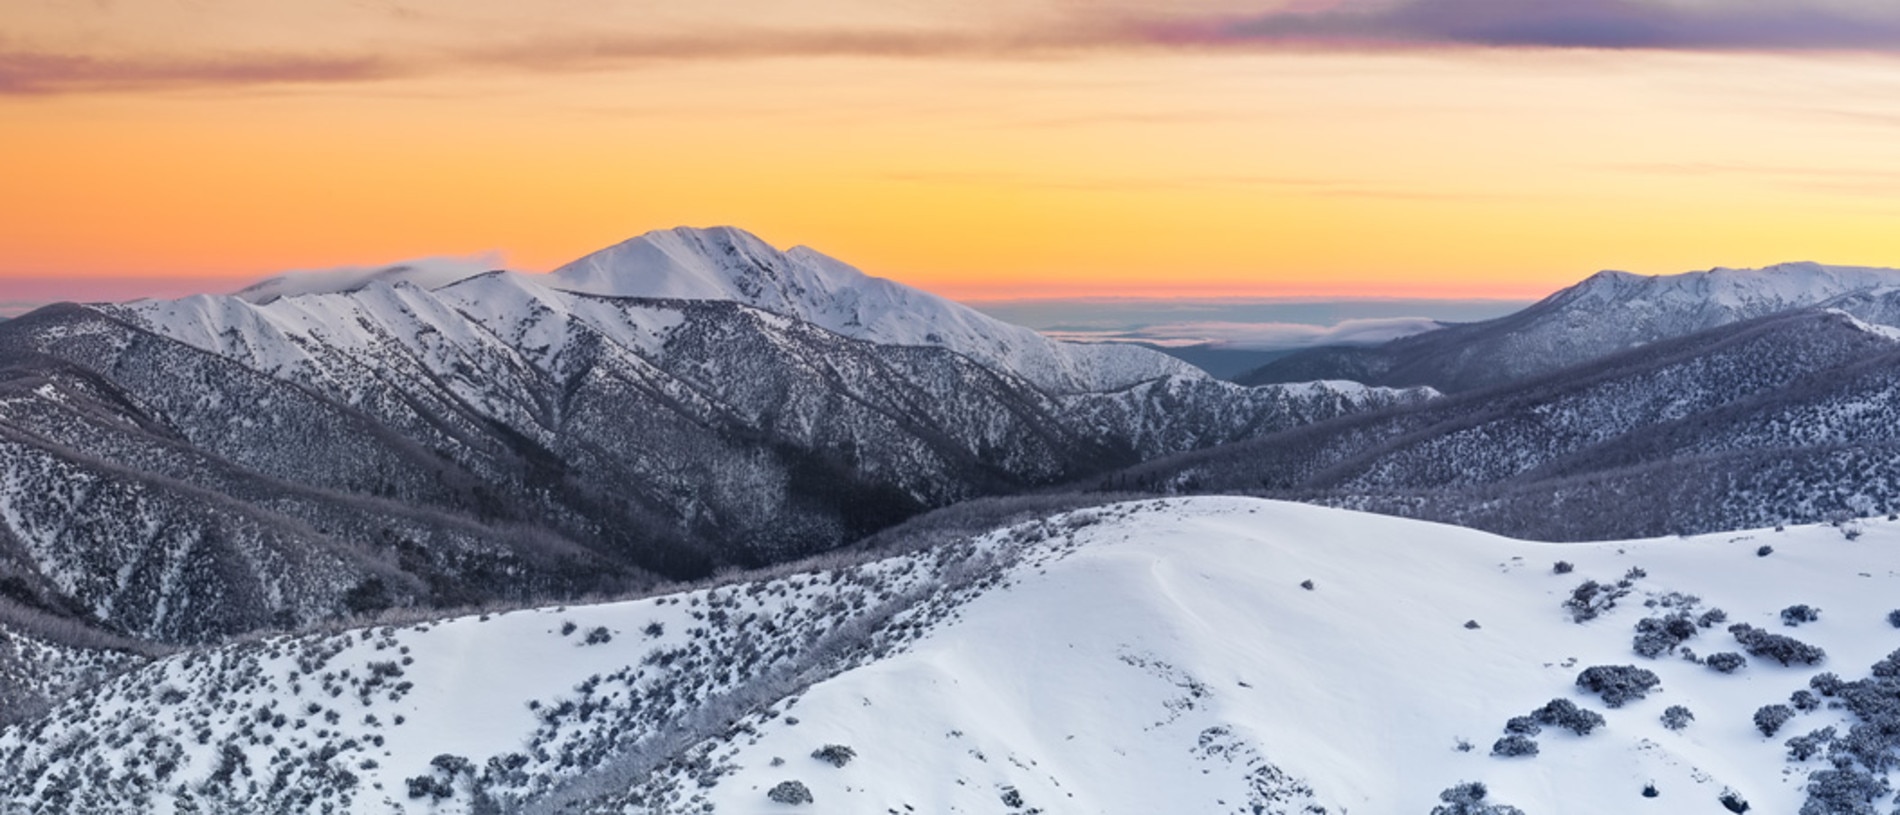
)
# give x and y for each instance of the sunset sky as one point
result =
(983, 149)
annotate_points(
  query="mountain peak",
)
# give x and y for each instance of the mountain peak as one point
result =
(730, 264)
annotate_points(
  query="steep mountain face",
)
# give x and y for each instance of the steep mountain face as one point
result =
(1786, 418)
(183, 470)
(1187, 655)
(1605, 314)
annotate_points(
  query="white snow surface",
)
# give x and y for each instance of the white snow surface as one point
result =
(725, 263)
(1153, 657)
(1743, 292)
(277, 324)
(426, 273)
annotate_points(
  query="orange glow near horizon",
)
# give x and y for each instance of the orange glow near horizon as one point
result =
(1445, 172)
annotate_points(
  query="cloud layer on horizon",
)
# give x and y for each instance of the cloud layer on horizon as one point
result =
(1264, 336)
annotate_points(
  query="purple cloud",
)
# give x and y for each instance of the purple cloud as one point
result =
(1606, 24)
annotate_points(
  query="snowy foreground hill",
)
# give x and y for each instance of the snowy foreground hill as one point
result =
(1200, 655)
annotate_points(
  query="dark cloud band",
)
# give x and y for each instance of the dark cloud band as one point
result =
(1605, 24)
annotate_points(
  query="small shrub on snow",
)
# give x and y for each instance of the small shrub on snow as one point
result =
(1524, 725)
(1802, 748)
(1677, 717)
(1770, 718)
(1893, 618)
(1888, 668)
(1306, 584)
(1826, 683)
(1782, 649)
(1799, 613)
(1618, 684)
(1514, 745)
(598, 636)
(1656, 636)
(1590, 599)
(837, 755)
(1468, 799)
(1727, 662)
(1843, 790)
(1649, 790)
(1733, 802)
(1764, 550)
(1565, 714)
(1562, 567)
(789, 792)
(1804, 701)
(1712, 618)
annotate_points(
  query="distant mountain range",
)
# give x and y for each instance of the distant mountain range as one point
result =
(1605, 314)
(180, 470)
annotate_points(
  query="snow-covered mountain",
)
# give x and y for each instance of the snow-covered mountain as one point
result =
(1787, 418)
(179, 470)
(1188, 655)
(733, 265)
(1605, 314)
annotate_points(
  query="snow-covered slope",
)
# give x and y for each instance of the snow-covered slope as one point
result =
(730, 264)
(1604, 314)
(1191, 655)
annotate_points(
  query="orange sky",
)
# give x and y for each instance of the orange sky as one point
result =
(1040, 147)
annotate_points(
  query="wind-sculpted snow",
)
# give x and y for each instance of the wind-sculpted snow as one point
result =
(1185, 655)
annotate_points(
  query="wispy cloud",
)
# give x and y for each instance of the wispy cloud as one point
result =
(1764, 25)
(25, 73)
(1771, 25)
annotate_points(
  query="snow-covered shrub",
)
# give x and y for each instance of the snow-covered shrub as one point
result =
(1565, 714)
(1764, 550)
(1562, 567)
(1770, 718)
(598, 636)
(1802, 748)
(1514, 745)
(1843, 790)
(1468, 799)
(1799, 613)
(837, 755)
(1590, 599)
(1677, 717)
(1893, 618)
(1712, 618)
(1656, 636)
(1306, 584)
(1782, 649)
(789, 792)
(1618, 684)
(1888, 668)
(1733, 802)
(1524, 725)
(1826, 683)
(1727, 662)
(1804, 701)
